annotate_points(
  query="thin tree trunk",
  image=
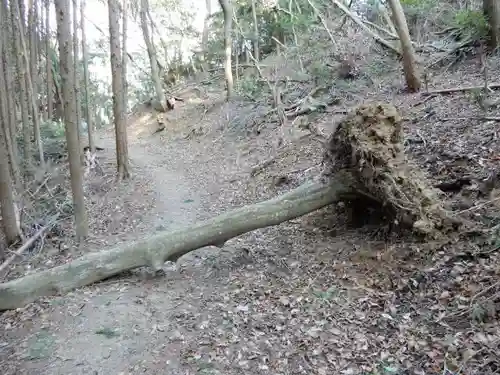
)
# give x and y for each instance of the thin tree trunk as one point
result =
(409, 61)
(228, 24)
(491, 10)
(124, 54)
(76, 72)
(7, 126)
(256, 52)
(32, 100)
(8, 65)
(32, 34)
(117, 85)
(68, 93)
(88, 116)
(7, 205)
(11, 122)
(204, 35)
(5, 114)
(48, 63)
(155, 76)
(17, 29)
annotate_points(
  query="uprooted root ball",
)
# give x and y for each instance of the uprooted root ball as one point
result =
(368, 144)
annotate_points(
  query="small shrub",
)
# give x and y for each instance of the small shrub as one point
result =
(417, 11)
(471, 24)
(320, 71)
(250, 88)
(53, 139)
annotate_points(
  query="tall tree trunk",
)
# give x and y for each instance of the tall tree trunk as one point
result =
(7, 205)
(68, 93)
(76, 72)
(204, 35)
(117, 84)
(228, 24)
(492, 12)
(6, 115)
(125, 54)
(256, 52)
(8, 63)
(32, 98)
(17, 29)
(409, 61)
(85, 56)
(155, 75)
(48, 63)
(32, 35)
(7, 118)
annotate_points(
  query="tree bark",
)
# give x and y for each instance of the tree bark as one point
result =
(155, 75)
(10, 147)
(228, 25)
(408, 53)
(48, 63)
(6, 90)
(117, 85)
(85, 57)
(124, 53)
(491, 10)
(204, 35)
(68, 95)
(7, 206)
(156, 250)
(76, 78)
(17, 29)
(31, 35)
(256, 52)
(31, 90)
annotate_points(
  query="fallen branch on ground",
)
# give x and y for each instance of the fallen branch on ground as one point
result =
(460, 89)
(24, 247)
(478, 118)
(158, 249)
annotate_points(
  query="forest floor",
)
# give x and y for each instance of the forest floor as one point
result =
(316, 295)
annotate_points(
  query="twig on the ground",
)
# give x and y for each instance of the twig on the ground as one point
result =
(484, 68)
(422, 138)
(344, 19)
(477, 207)
(423, 101)
(460, 89)
(483, 292)
(259, 167)
(26, 245)
(479, 118)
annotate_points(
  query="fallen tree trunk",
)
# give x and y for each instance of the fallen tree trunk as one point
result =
(162, 247)
(363, 158)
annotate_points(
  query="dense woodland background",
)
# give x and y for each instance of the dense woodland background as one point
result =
(236, 95)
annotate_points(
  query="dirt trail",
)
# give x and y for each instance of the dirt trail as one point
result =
(126, 326)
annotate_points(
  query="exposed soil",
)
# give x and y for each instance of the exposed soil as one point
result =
(317, 295)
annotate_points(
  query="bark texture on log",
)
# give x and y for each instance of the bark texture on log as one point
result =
(158, 249)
